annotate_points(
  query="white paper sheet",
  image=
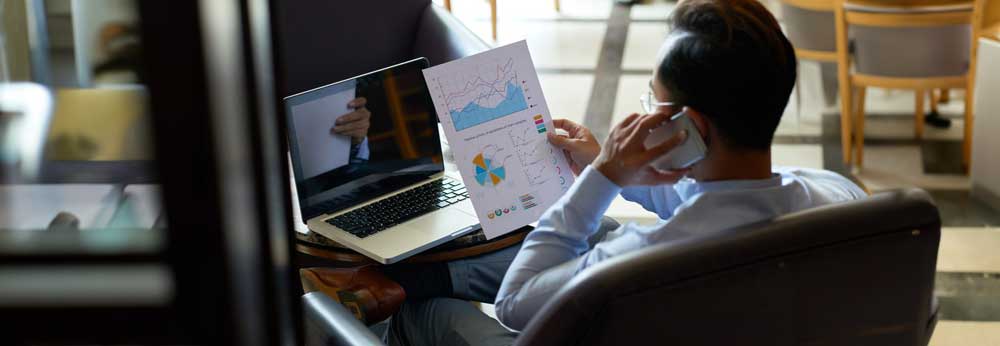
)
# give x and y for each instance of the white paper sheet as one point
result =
(320, 150)
(495, 118)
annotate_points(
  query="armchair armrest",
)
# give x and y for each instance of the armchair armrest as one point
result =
(329, 323)
(442, 38)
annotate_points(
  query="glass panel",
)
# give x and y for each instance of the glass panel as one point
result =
(76, 174)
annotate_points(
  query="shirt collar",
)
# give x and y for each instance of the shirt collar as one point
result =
(688, 188)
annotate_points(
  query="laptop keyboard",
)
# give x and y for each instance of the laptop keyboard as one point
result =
(399, 208)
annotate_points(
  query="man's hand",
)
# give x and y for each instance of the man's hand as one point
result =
(625, 159)
(580, 147)
(356, 123)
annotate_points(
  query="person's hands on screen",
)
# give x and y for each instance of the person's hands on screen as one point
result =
(356, 123)
(579, 146)
(625, 159)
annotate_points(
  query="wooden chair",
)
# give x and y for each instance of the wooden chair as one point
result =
(919, 72)
(811, 28)
(493, 14)
(985, 20)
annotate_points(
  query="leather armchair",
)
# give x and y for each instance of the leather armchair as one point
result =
(857, 273)
(325, 41)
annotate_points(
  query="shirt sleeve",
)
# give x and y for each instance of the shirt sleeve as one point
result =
(659, 199)
(360, 152)
(561, 236)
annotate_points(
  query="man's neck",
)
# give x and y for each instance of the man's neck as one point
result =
(744, 165)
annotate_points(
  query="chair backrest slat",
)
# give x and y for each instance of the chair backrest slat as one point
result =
(815, 5)
(908, 20)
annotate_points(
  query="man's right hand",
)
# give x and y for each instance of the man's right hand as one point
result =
(580, 146)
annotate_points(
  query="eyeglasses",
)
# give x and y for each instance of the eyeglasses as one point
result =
(649, 103)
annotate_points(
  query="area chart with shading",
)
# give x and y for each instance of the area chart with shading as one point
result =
(493, 114)
(486, 98)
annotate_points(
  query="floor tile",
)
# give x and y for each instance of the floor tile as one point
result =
(959, 209)
(805, 107)
(896, 101)
(942, 157)
(644, 40)
(553, 44)
(971, 249)
(967, 296)
(627, 99)
(893, 167)
(652, 10)
(566, 94)
(797, 155)
(966, 333)
(557, 44)
(901, 126)
(795, 124)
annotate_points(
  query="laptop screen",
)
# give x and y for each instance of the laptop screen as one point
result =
(401, 146)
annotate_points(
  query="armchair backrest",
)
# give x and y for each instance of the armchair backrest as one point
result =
(324, 41)
(857, 273)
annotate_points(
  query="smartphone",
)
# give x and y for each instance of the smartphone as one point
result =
(691, 151)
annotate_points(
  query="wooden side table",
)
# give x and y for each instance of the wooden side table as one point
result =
(318, 248)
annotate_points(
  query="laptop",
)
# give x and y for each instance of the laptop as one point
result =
(386, 197)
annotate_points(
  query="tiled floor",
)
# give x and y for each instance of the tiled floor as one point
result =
(573, 48)
(566, 93)
(644, 40)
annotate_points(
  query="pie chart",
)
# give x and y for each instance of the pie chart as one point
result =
(486, 173)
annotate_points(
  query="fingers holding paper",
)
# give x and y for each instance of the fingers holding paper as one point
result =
(579, 145)
(356, 123)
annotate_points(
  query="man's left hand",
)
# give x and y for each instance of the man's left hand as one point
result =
(356, 123)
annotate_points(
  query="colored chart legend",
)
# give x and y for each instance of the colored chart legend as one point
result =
(540, 123)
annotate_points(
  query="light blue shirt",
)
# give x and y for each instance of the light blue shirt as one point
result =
(685, 208)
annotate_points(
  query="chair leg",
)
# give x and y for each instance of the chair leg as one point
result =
(447, 5)
(967, 139)
(558, 8)
(859, 127)
(945, 96)
(493, 17)
(845, 122)
(798, 96)
(844, 81)
(919, 114)
(934, 100)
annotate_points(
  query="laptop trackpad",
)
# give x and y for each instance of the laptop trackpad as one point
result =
(443, 222)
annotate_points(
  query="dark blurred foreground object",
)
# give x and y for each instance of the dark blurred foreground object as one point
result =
(357, 44)
(65, 222)
(368, 294)
(25, 113)
(856, 273)
(222, 273)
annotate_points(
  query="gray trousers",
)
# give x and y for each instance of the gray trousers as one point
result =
(454, 320)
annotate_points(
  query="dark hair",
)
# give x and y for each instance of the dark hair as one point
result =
(734, 65)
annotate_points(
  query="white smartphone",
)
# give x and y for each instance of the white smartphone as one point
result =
(691, 151)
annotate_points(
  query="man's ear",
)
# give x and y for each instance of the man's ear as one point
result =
(700, 122)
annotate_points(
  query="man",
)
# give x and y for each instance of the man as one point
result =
(727, 63)
(355, 125)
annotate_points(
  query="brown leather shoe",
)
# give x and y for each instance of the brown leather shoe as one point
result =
(365, 291)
